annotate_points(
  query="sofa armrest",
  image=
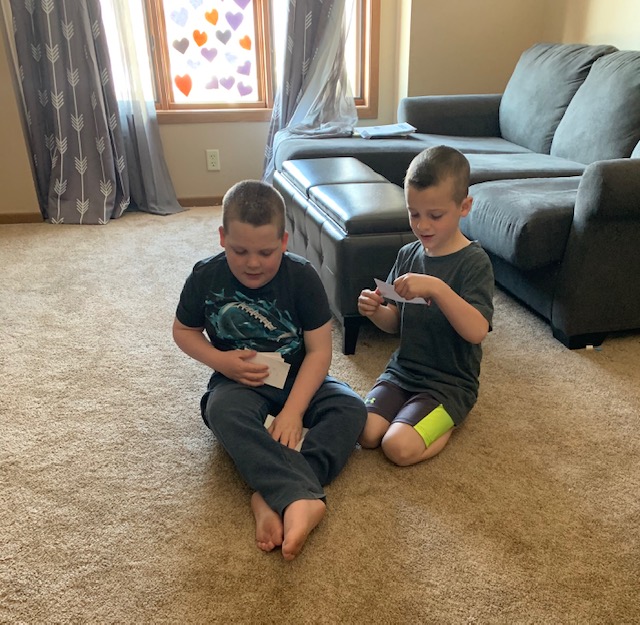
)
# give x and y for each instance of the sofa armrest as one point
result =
(458, 115)
(609, 190)
(597, 287)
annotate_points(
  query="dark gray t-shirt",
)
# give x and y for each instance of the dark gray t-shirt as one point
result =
(432, 356)
(272, 318)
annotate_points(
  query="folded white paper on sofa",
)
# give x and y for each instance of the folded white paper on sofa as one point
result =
(401, 129)
(269, 420)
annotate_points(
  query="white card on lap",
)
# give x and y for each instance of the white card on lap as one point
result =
(269, 420)
(278, 368)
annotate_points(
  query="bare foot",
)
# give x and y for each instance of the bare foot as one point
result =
(300, 517)
(269, 527)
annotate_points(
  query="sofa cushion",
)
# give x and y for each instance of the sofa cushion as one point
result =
(603, 120)
(511, 166)
(541, 87)
(524, 222)
(472, 145)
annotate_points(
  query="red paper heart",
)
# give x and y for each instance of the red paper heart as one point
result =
(199, 37)
(212, 16)
(184, 83)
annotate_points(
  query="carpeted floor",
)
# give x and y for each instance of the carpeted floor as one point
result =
(118, 506)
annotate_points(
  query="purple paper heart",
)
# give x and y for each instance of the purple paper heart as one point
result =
(230, 57)
(245, 68)
(180, 17)
(212, 84)
(209, 53)
(182, 45)
(244, 89)
(223, 36)
(234, 19)
(196, 3)
(193, 64)
(242, 3)
(227, 83)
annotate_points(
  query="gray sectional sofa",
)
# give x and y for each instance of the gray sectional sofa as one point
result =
(555, 169)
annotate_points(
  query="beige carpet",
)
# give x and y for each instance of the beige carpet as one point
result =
(118, 506)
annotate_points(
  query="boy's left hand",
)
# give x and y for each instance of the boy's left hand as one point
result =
(412, 285)
(287, 428)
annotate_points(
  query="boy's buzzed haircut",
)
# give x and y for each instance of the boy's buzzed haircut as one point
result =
(436, 164)
(253, 202)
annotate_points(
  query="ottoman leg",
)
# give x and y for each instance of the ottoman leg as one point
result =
(350, 329)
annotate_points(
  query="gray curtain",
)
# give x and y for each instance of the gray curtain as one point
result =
(150, 183)
(90, 152)
(314, 98)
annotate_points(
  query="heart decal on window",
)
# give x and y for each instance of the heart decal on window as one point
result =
(244, 89)
(234, 19)
(184, 83)
(199, 37)
(209, 53)
(212, 16)
(223, 36)
(182, 45)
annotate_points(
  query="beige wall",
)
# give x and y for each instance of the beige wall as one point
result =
(469, 46)
(616, 22)
(18, 201)
(427, 46)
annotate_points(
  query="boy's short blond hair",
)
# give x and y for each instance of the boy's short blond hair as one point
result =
(436, 164)
(253, 202)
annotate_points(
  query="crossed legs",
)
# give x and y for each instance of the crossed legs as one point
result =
(288, 502)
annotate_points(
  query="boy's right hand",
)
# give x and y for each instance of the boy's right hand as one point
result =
(369, 302)
(237, 367)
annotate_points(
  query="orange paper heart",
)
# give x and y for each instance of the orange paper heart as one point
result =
(184, 83)
(199, 37)
(212, 16)
(245, 42)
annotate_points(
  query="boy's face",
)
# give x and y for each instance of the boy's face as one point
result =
(434, 217)
(254, 253)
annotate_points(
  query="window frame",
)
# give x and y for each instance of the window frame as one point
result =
(170, 113)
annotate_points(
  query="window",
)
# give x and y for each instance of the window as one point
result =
(212, 59)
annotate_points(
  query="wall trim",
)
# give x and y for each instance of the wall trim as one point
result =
(33, 218)
(20, 218)
(186, 202)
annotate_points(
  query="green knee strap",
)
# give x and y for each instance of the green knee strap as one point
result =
(434, 425)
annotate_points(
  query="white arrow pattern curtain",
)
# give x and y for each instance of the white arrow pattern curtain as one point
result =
(95, 145)
(71, 111)
(314, 98)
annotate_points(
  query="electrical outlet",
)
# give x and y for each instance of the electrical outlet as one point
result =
(213, 160)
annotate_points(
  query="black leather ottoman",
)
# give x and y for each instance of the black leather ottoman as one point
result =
(349, 222)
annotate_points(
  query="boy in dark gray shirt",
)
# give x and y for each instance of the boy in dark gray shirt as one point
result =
(431, 381)
(255, 300)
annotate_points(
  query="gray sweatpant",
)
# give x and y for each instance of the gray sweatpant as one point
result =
(235, 413)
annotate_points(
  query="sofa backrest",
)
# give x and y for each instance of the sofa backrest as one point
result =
(603, 119)
(544, 81)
